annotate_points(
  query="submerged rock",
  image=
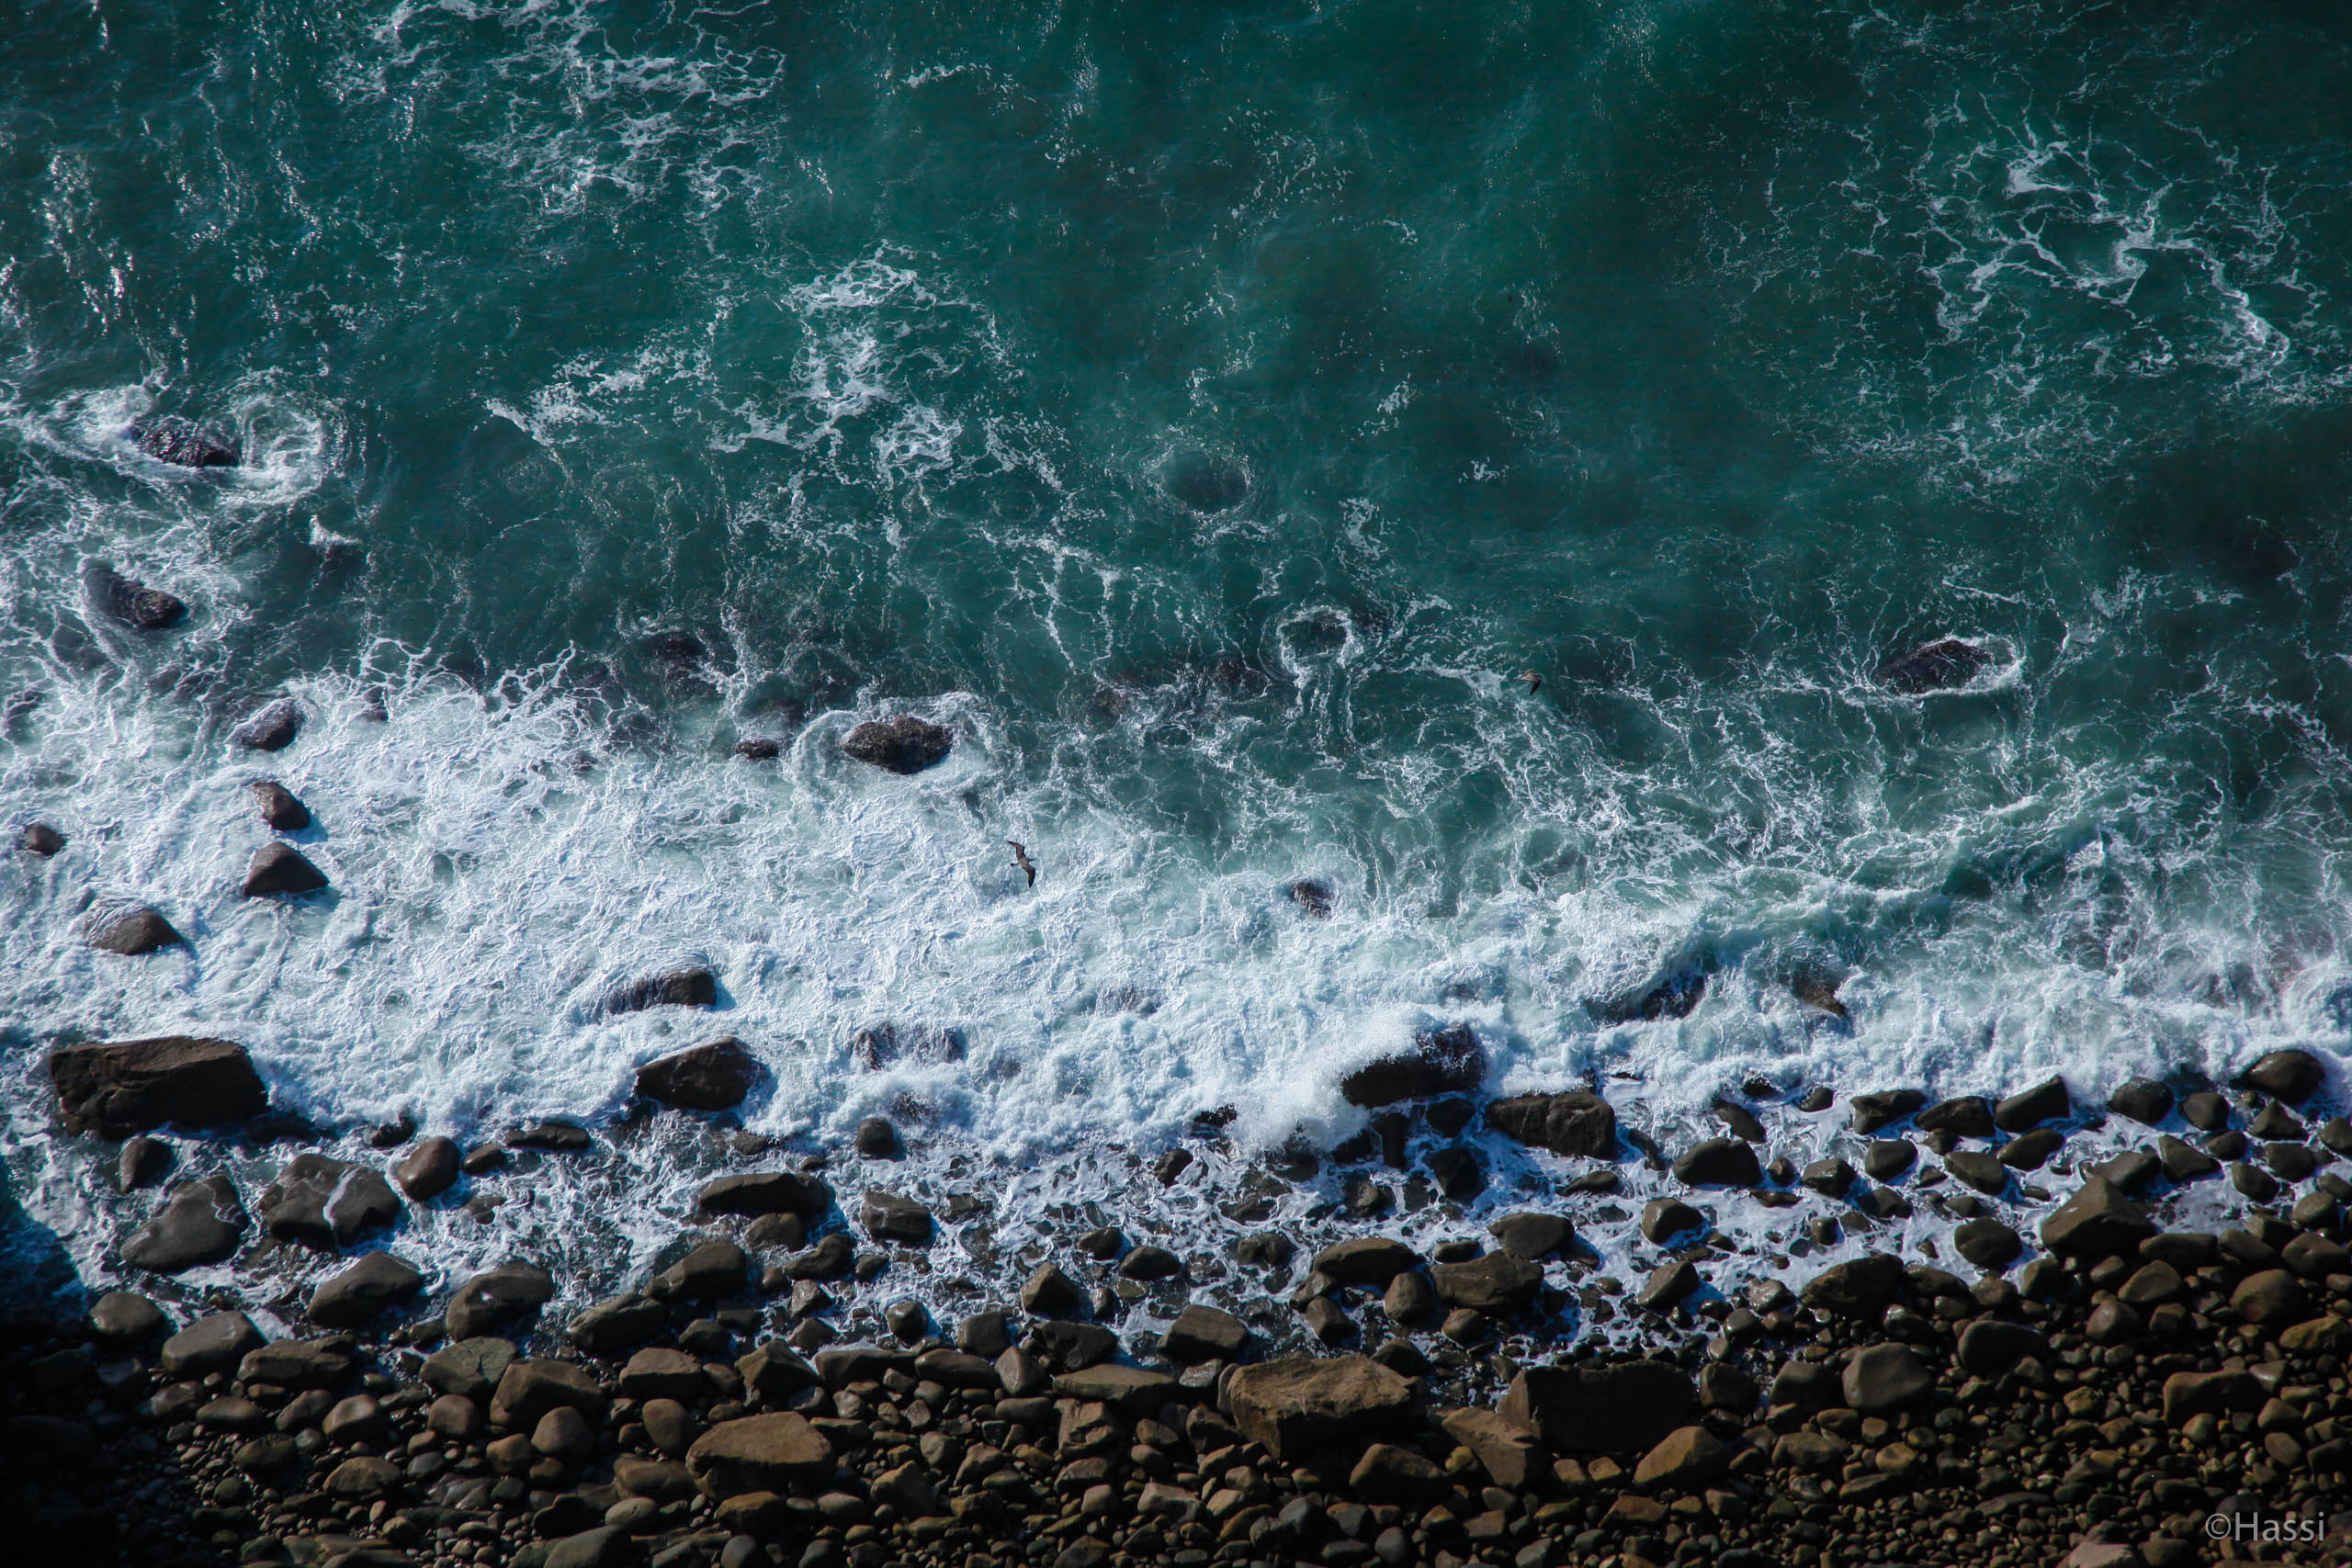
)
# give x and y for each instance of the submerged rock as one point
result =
(326, 1203)
(128, 1087)
(133, 932)
(278, 867)
(39, 838)
(715, 1076)
(1313, 895)
(130, 601)
(1935, 666)
(901, 745)
(690, 988)
(184, 444)
(1442, 1061)
(272, 728)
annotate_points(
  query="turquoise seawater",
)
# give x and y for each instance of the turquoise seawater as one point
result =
(1210, 411)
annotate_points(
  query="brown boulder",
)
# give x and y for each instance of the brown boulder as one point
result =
(131, 1085)
(1442, 1061)
(1301, 1405)
(711, 1076)
(759, 1453)
(1576, 1123)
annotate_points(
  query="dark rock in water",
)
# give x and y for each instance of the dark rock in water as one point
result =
(1818, 991)
(278, 867)
(2290, 1076)
(711, 1270)
(1498, 1284)
(1300, 1405)
(273, 728)
(133, 1086)
(2095, 1221)
(1442, 1061)
(133, 932)
(1461, 1174)
(887, 1216)
(496, 1297)
(126, 1318)
(758, 749)
(901, 745)
(1315, 897)
(558, 1137)
(1531, 1235)
(1989, 1244)
(881, 1044)
(1742, 1122)
(39, 838)
(201, 1223)
(1964, 1116)
(2045, 1102)
(1819, 1097)
(470, 1369)
(1887, 1158)
(617, 1323)
(278, 808)
(326, 1203)
(711, 1076)
(129, 601)
(375, 1283)
(877, 1139)
(1934, 667)
(1665, 1217)
(676, 647)
(1204, 1334)
(1872, 1112)
(1860, 1288)
(1677, 995)
(2143, 1100)
(690, 988)
(429, 1170)
(394, 1133)
(1616, 1409)
(143, 1163)
(184, 444)
(1207, 484)
(766, 1193)
(1577, 1123)
(212, 1344)
(2205, 1110)
(1718, 1162)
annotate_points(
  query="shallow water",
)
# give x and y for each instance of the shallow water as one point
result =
(1209, 414)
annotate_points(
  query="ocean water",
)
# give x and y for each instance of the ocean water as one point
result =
(1209, 413)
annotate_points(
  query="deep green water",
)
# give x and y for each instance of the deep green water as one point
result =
(1211, 410)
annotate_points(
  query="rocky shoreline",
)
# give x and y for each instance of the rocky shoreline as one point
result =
(2163, 1345)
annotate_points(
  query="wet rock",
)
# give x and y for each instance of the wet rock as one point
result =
(1389, 1471)
(1740, 1120)
(693, 987)
(129, 601)
(2185, 1162)
(776, 1452)
(1049, 1292)
(1442, 1061)
(1498, 1284)
(510, 1294)
(326, 1203)
(766, 1192)
(617, 1323)
(1577, 1123)
(2143, 1100)
(429, 1170)
(1676, 994)
(183, 443)
(1718, 1162)
(211, 1344)
(133, 932)
(279, 868)
(362, 1479)
(1684, 1459)
(606, 1546)
(1989, 1346)
(270, 729)
(2205, 1110)
(1937, 665)
(1983, 1172)
(2291, 1076)
(2133, 1169)
(1859, 1288)
(1881, 1379)
(1531, 1235)
(2045, 1102)
(39, 838)
(1986, 1243)
(1460, 1174)
(1632, 1404)
(468, 1368)
(1300, 1405)
(1204, 1334)
(126, 1318)
(1364, 1260)
(1665, 1217)
(527, 1390)
(1150, 1263)
(297, 1363)
(560, 1137)
(1314, 897)
(2098, 1221)
(1667, 1286)
(375, 1283)
(831, 1258)
(1887, 1158)
(277, 805)
(1884, 1108)
(1967, 1116)
(901, 745)
(1831, 1178)
(201, 1223)
(715, 1076)
(877, 1139)
(2031, 1151)
(143, 1162)
(711, 1271)
(887, 1216)
(2274, 1295)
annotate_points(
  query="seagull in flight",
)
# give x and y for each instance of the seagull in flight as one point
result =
(1020, 859)
(1534, 682)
